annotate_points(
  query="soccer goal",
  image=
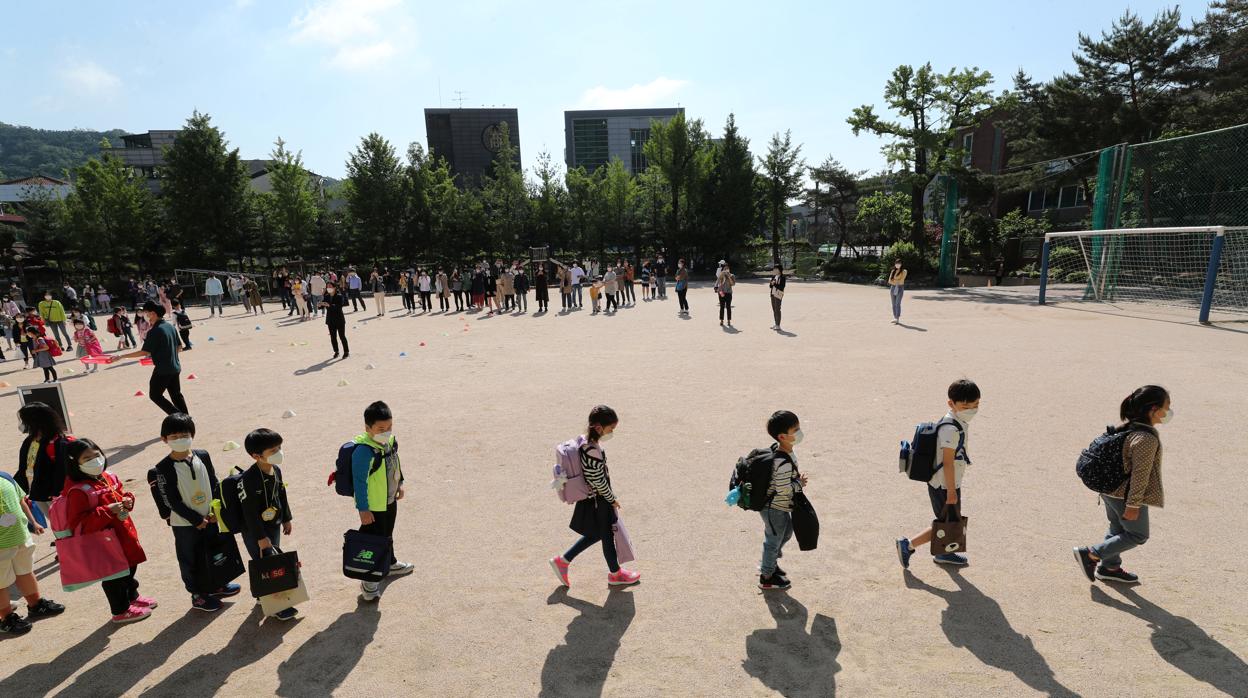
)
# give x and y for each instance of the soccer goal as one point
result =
(1203, 268)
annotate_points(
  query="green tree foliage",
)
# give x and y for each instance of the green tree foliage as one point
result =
(506, 200)
(884, 213)
(549, 203)
(26, 151)
(931, 108)
(374, 196)
(293, 202)
(47, 233)
(835, 197)
(780, 174)
(675, 150)
(204, 188)
(1214, 69)
(729, 219)
(110, 214)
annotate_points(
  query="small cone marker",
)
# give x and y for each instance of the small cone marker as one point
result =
(70, 371)
(257, 328)
(229, 363)
(5, 384)
(422, 344)
(303, 344)
(293, 344)
(191, 377)
(138, 393)
(402, 353)
(229, 446)
(272, 351)
(366, 368)
(288, 414)
(212, 339)
(343, 382)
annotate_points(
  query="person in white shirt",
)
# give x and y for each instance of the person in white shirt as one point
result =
(578, 274)
(316, 289)
(214, 292)
(611, 287)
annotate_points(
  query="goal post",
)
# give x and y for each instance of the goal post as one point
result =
(1189, 267)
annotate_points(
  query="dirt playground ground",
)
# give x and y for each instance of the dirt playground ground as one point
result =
(480, 405)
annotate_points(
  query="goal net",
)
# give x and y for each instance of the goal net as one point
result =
(1201, 269)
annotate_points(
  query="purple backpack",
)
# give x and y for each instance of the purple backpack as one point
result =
(569, 483)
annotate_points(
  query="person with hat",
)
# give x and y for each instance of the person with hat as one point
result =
(161, 344)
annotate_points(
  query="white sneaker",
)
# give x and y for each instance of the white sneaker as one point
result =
(399, 569)
(367, 594)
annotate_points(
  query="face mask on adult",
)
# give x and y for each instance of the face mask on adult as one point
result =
(93, 467)
(180, 445)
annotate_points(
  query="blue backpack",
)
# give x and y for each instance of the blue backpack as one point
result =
(341, 478)
(920, 457)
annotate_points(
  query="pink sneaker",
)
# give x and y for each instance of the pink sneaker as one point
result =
(132, 614)
(144, 602)
(560, 566)
(623, 578)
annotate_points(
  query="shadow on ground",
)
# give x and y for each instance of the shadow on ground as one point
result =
(788, 659)
(321, 664)
(580, 665)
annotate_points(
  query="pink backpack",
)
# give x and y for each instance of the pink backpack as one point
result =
(569, 483)
(58, 517)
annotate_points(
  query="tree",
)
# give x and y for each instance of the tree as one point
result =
(932, 107)
(617, 190)
(47, 230)
(109, 213)
(204, 188)
(885, 212)
(293, 202)
(729, 201)
(836, 194)
(418, 211)
(673, 149)
(549, 199)
(781, 173)
(374, 195)
(1214, 69)
(506, 199)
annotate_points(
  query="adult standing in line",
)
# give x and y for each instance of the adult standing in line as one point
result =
(660, 271)
(175, 292)
(541, 289)
(214, 292)
(521, 285)
(334, 305)
(776, 285)
(69, 294)
(162, 296)
(251, 291)
(507, 279)
(161, 344)
(425, 286)
(378, 285)
(897, 288)
(457, 288)
(354, 286)
(578, 275)
(724, 281)
(442, 287)
(53, 314)
(132, 290)
(87, 298)
(296, 297)
(565, 287)
(316, 291)
(682, 287)
(19, 296)
(43, 454)
(477, 288)
(407, 289)
(611, 286)
(235, 286)
(491, 288)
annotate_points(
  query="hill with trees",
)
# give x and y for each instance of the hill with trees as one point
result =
(26, 151)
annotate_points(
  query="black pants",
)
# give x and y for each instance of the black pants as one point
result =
(383, 525)
(354, 295)
(426, 303)
(543, 305)
(522, 301)
(629, 292)
(459, 300)
(725, 303)
(444, 303)
(156, 388)
(409, 301)
(775, 309)
(190, 545)
(608, 549)
(185, 334)
(49, 374)
(121, 592)
(611, 304)
(337, 332)
(684, 302)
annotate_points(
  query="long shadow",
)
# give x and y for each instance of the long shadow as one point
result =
(40, 679)
(207, 674)
(122, 671)
(786, 333)
(1183, 643)
(788, 659)
(980, 294)
(976, 622)
(729, 329)
(314, 367)
(912, 327)
(322, 663)
(123, 452)
(579, 666)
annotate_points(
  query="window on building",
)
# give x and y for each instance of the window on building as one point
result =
(1071, 196)
(637, 138)
(967, 142)
(589, 143)
(1035, 200)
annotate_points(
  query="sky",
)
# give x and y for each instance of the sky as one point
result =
(323, 74)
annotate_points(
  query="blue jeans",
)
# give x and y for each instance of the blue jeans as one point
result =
(576, 294)
(897, 292)
(214, 305)
(777, 530)
(1123, 535)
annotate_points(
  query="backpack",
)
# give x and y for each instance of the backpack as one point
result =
(569, 483)
(341, 479)
(113, 328)
(54, 347)
(751, 478)
(920, 457)
(58, 517)
(230, 515)
(161, 507)
(1101, 466)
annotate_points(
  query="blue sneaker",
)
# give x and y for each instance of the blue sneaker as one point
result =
(904, 551)
(207, 604)
(227, 590)
(952, 559)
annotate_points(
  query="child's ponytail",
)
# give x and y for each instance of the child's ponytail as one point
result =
(600, 418)
(1139, 405)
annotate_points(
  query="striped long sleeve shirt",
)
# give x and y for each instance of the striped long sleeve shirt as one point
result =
(783, 483)
(594, 466)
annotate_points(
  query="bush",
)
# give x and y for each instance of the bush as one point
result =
(909, 255)
(1076, 277)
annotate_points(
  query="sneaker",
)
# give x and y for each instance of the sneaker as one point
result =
(560, 566)
(780, 573)
(286, 614)
(623, 578)
(904, 551)
(370, 591)
(952, 559)
(144, 601)
(14, 624)
(46, 608)
(207, 604)
(774, 582)
(1116, 574)
(227, 591)
(132, 614)
(1086, 562)
(398, 569)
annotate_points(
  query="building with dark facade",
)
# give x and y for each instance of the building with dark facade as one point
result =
(594, 137)
(470, 138)
(145, 154)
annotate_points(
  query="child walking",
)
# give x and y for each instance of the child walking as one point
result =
(594, 517)
(785, 428)
(183, 321)
(378, 490)
(266, 510)
(96, 501)
(42, 353)
(17, 564)
(944, 490)
(119, 326)
(86, 344)
(1127, 506)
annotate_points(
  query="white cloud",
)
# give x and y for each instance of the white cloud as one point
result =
(89, 78)
(357, 57)
(360, 33)
(242, 4)
(651, 94)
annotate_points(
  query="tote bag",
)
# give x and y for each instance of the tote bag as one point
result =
(87, 558)
(221, 558)
(805, 523)
(272, 574)
(949, 532)
(365, 557)
(623, 544)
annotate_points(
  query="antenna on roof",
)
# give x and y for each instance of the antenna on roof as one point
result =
(459, 97)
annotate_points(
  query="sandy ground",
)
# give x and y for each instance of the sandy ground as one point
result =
(480, 406)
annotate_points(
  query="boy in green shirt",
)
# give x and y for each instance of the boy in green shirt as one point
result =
(378, 491)
(17, 561)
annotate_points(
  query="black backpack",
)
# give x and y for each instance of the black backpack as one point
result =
(920, 457)
(1101, 465)
(233, 493)
(752, 477)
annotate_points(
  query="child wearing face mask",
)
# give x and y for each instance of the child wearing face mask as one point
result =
(944, 490)
(187, 484)
(378, 489)
(96, 500)
(594, 517)
(786, 481)
(266, 510)
(1127, 506)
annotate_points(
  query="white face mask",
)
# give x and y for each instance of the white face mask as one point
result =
(1165, 418)
(606, 437)
(275, 459)
(797, 438)
(968, 415)
(93, 467)
(383, 438)
(180, 445)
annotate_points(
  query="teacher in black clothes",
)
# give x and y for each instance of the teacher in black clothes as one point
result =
(162, 345)
(333, 304)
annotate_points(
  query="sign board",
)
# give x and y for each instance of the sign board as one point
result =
(49, 394)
